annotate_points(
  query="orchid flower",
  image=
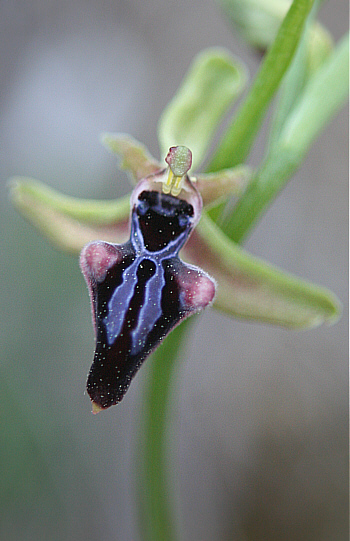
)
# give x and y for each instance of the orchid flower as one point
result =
(247, 287)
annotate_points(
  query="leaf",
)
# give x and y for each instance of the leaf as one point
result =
(320, 46)
(258, 22)
(322, 97)
(238, 139)
(249, 288)
(68, 222)
(213, 82)
(313, 49)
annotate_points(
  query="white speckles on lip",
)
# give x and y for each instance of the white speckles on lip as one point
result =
(141, 290)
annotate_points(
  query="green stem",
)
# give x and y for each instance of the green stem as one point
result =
(237, 142)
(157, 523)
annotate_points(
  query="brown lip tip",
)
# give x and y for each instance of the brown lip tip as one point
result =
(96, 408)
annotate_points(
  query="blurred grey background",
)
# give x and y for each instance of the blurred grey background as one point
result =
(259, 428)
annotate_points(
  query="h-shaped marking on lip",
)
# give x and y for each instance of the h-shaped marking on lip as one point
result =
(151, 309)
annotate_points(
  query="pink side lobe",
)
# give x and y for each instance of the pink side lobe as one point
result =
(96, 258)
(198, 289)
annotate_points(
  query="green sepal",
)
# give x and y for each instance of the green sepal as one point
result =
(68, 222)
(250, 288)
(215, 79)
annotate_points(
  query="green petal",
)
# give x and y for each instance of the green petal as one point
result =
(251, 289)
(214, 187)
(68, 222)
(134, 156)
(213, 82)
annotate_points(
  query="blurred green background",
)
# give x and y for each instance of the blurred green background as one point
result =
(259, 447)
